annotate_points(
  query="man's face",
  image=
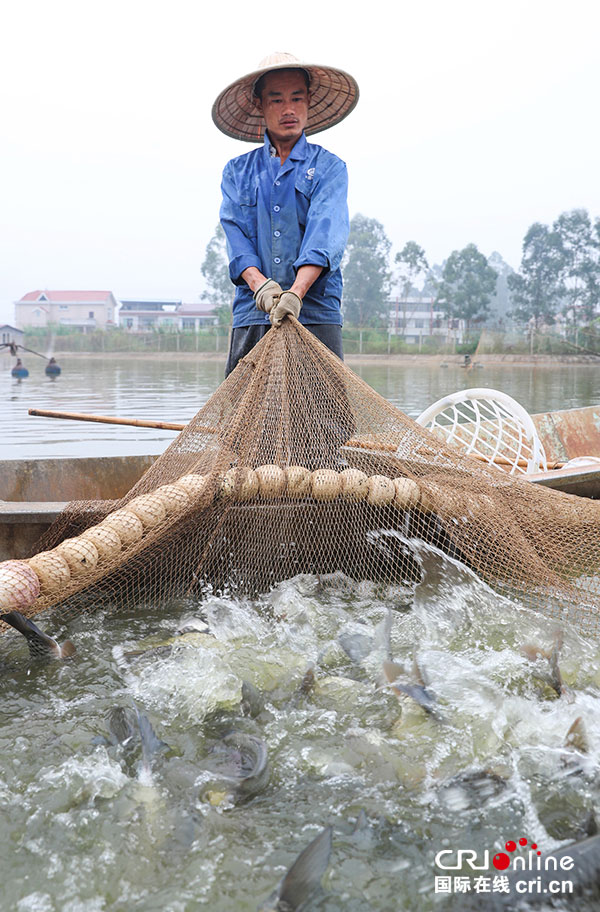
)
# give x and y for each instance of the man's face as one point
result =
(284, 105)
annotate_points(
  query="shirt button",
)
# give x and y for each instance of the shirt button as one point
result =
(276, 260)
(277, 183)
(276, 208)
(276, 233)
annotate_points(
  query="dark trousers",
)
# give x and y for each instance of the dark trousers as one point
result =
(244, 338)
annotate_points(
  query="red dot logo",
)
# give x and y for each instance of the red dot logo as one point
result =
(522, 841)
(501, 861)
(510, 846)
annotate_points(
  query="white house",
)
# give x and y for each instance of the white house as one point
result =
(9, 335)
(146, 315)
(416, 318)
(82, 310)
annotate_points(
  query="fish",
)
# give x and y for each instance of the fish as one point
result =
(553, 677)
(303, 878)
(194, 624)
(576, 737)
(418, 692)
(472, 788)
(41, 646)
(236, 768)
(132, 730)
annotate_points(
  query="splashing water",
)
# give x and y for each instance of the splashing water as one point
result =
(301, 669)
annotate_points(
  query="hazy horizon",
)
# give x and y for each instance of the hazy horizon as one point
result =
(475, 120)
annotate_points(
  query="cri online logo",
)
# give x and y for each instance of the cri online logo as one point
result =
(451, 860)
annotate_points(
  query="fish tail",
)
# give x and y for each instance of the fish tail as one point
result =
(39, 643)
(305, 874)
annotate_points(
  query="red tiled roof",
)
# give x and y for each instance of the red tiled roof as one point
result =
(65, 297)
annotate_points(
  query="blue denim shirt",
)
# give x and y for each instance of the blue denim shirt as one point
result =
(279, 217)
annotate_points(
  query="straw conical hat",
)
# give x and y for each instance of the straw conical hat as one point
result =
(334, 94)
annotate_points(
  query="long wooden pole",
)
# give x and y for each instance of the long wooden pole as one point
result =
(176, 426)
(108, 419)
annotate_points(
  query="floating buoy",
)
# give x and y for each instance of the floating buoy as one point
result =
(298, 481)
(354, 484)
(52, 368)
(80, 554)
(326, 484)
(19, 585)
(149, 508)
(126, 524)
(52, 570)
(19, 370)
(381, 490)
(271, 480)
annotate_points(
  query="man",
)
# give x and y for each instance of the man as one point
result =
(284, 209)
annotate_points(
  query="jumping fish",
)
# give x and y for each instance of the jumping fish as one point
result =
(301, 881)
(416, 691)
(554, 677)
(577, 737)
(130, 728)
(237, 767)
(41, 646)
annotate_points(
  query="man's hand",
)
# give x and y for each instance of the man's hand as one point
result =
(289, 303)
(267, 296)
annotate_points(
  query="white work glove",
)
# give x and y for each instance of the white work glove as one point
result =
(267, 295)
(289, 303)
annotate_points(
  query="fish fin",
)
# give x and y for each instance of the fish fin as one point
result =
(151, 744)
(577, 736)
(67, 649)
(40, 644)
(362, 821)
(555, 675)
(308, 682)
(392, 671)
(419, 673)
(383, 635)
(533, 652)
(305, 874)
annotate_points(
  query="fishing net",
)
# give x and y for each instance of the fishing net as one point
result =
(296, 466)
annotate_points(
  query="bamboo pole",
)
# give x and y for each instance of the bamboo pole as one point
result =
(108, 419)
(354, 443)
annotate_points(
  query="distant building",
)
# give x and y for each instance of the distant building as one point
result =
(144, 315)
(417, 318)
(10, 335)
(193, 317)
(147, 315)
(82, 310)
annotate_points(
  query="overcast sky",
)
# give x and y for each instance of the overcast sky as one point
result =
(475, 120)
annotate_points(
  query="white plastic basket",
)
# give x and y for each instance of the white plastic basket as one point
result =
(489, 425)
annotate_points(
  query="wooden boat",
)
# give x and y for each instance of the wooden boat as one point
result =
(27, 485)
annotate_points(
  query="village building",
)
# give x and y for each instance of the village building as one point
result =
(10, 335)
(80, 310)
(145, 315)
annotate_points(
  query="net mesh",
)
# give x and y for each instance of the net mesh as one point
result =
(295, 465)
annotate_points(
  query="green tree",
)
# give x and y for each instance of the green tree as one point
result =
(537, 289)
(467, 285)
(366, 274)
(581, 264)
(412, 263)
(215, 270)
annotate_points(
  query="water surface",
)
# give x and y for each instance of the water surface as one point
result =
(174, 390)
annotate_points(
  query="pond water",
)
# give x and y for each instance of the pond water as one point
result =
(93, 818)
(175, 390)
(89, 823)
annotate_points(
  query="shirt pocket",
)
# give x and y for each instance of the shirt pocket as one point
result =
(248, 197)
(304, 189)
